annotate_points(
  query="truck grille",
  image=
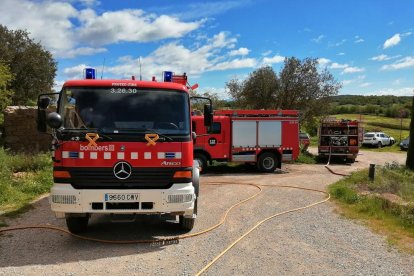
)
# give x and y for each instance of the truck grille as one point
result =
(104, 178)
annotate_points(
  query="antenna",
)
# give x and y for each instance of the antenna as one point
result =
(103, 67)
(140, 75)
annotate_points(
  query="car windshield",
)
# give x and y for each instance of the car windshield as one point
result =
(125, 110)
(369, 135)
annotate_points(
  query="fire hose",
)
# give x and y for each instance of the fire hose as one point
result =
(222, 220)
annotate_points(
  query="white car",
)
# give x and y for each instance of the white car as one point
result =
(377, 139)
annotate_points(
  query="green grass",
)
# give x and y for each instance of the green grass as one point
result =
(354, 195)
(22, 179)
(306, 157)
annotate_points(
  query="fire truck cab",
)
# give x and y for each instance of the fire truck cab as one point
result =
(122, 147)
(263, 137)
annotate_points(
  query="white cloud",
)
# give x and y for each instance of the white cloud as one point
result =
(338, 66)
(130, 25)
(406, 91)
(351, 70)
(393, 41)
(324, 61)
(48, 22)
(400, 64)
(365, 84)
(381, 57)
(318, 39)
(359, 40)
(75, 72)
(266, 53)
(81, 51)
(340, 54)
(273, 60)
(52, 23)
(240, 52)
(212, 55)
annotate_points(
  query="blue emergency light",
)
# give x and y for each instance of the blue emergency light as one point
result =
(168, 76)
(90, 73)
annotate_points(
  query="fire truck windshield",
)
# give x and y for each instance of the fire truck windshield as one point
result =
(125, 110)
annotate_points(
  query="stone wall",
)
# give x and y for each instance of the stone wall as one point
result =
(20, 130)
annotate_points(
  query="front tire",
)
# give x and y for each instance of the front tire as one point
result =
(77, 225)
(202, 160)
(267, 162)
(379, 145)
(187, 224)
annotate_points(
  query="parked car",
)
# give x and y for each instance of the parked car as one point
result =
(377, 139)
(304, 141)
(404, 143)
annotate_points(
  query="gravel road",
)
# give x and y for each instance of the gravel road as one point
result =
(312, 241)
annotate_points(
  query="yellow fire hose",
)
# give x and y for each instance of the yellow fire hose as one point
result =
(222, 220)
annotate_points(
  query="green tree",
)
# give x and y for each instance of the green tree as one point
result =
(306, 88)
(300, 85)
(258, 91)
(5, 79)
(32, 66)
(410, 153)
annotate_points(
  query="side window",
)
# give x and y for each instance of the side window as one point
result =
(216, 129)
(382, 135)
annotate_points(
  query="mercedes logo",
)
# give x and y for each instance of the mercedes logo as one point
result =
(122, 170)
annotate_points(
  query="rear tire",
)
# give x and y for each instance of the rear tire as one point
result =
(267, 162)
(202, 160)
(77, 225)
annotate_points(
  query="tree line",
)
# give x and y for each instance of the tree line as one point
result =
(27, 69)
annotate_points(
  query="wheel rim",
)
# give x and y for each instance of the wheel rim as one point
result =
(268, 163)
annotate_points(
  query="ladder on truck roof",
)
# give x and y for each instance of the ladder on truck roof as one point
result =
(257, 113)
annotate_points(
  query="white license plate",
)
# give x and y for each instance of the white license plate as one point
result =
(122, 197)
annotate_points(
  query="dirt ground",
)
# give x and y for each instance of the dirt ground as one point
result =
(312, 241)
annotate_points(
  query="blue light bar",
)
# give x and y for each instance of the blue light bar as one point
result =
(90, 73)
(168, 76)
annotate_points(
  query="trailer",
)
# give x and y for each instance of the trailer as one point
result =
(339, 138)
(266, 138)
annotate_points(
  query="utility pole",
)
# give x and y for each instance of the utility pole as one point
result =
(410, 152)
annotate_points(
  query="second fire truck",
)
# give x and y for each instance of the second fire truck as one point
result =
(263, 137)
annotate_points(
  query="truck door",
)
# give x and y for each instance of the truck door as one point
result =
(218, 142)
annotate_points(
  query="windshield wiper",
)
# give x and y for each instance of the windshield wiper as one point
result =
(89, 130)
(148, 131)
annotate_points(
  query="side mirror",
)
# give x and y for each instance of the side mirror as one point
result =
(208, 115)
(54, 120)
(43, 103)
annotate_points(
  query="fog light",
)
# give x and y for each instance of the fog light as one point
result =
(64, 199)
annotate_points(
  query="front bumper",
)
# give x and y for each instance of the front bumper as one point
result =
(179, 199)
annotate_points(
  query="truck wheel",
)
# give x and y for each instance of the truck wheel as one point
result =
(350, 160)
(202, 160)
(379, 145)
(267, 162)
(187, 224)
(77, 224)
(196, 180)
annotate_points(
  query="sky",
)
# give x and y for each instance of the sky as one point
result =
(367, 45)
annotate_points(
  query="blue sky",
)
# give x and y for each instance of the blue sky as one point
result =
(367, 45)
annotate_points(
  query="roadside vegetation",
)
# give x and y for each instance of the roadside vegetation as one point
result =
(23, 178)
(385, 204)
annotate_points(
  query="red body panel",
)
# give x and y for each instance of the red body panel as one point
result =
(138, 154)
(125, 83)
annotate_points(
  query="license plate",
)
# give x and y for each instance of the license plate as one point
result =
(122, 197)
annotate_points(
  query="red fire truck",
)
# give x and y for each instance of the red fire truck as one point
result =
(264, 137)
(339, 138)
(122, 147)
